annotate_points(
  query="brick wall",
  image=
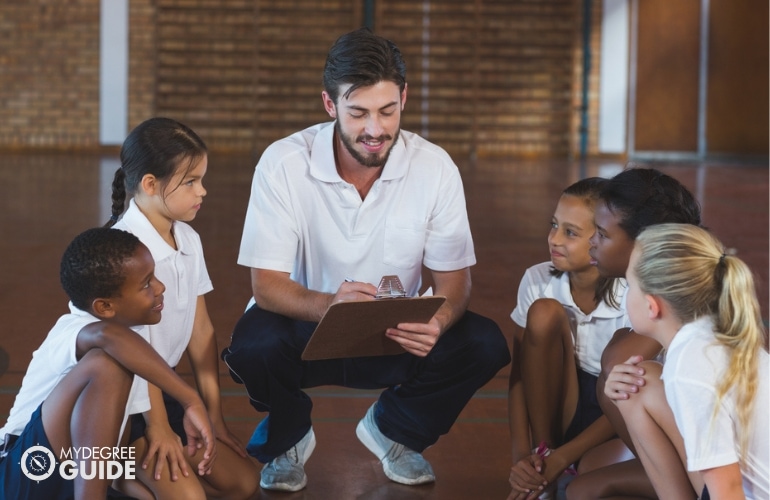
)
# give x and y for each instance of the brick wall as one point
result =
(49, 73)
(141, 61)
(243, 73)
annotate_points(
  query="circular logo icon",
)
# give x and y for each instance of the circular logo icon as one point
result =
(38, 463)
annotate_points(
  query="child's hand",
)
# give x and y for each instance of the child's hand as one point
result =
(200, 435)
(223, 434)
(625, 379)
(526, 479)
(163, 442)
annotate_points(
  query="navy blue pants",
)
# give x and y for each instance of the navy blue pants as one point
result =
(422, 397)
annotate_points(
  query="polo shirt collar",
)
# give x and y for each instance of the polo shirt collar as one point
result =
(140, 226)
(322, 165)
(559, 288)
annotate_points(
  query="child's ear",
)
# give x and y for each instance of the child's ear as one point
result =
(103, 308)
(654, 306)
(150, 185)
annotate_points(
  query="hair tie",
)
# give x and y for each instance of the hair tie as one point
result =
(725, 253)
(114, 218)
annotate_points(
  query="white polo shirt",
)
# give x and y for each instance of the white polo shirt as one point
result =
(590, 332)
(54, 359)
(695, 364)
(184, 273)
(304, 219)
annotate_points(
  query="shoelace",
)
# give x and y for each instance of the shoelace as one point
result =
(291, 456)
(543, 451)
(394, 452)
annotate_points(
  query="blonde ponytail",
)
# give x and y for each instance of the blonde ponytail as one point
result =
(687, 266)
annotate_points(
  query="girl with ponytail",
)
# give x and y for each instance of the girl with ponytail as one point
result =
(709, 417)
(163, 163)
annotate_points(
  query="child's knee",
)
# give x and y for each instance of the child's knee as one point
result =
(104, 368)
(648, 395)
(242, 487)
(546, 319)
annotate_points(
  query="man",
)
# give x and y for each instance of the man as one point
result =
(358, 198)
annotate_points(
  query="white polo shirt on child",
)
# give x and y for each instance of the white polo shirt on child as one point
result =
(304, 219)
(695, 364)
(55, 357)
(590, 332)
(183, 272)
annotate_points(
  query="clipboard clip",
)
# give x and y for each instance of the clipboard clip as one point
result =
(390, 287)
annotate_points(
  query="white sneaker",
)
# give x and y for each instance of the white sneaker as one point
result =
(286, 472)
(399, 463)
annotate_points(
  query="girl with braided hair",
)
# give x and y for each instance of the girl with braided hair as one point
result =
(163, 163)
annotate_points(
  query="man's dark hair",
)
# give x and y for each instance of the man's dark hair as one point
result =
(642, 197)
(362, 59)
(92, 265)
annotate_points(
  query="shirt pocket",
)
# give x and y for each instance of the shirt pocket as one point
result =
(404, 243)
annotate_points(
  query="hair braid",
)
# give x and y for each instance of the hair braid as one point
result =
(118, 196)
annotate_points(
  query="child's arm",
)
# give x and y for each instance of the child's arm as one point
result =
(724, 482)
(572, 451)
(138, 357)
(204, 360)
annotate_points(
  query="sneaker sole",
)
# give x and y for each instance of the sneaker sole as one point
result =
(294, 487)
(368, 440)
(284, 486)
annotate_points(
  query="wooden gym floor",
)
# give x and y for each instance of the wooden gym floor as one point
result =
(45, 199)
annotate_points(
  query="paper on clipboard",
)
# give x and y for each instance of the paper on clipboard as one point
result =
(357, 328)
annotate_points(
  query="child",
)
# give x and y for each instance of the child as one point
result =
(701, 305)
(631, 201)
(564, 316)
(77, 389)
(163, 163)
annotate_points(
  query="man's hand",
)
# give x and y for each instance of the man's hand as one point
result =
(416, 338)
(354, 290)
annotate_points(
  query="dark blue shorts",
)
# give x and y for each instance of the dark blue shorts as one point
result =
(16, 484)
(588, 409)
(175, 413)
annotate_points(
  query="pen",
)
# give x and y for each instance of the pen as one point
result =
(350, 280)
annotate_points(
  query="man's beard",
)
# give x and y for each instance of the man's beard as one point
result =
(368, 160)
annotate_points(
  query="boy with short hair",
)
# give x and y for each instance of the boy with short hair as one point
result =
(78, 389)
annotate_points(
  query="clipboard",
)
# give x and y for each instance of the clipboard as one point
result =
(357, 328)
